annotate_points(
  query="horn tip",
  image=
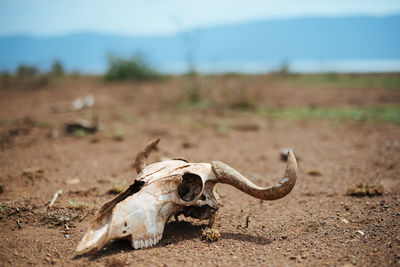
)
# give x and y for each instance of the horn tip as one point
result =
(291, 163)
(291, 157)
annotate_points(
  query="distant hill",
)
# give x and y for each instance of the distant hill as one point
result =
(303, 39)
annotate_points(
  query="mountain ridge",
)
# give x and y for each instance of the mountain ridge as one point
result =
(276, 40)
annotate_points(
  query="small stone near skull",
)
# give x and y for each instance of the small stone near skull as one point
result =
(210, 234)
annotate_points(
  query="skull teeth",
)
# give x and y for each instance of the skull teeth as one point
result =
(139, 243)
(136, 244)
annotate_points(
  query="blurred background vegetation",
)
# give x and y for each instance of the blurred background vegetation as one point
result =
(201, 92)
(134, 68)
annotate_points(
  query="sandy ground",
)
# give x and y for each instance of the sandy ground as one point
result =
(317, 224)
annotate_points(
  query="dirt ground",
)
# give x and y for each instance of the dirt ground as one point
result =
(317, 224)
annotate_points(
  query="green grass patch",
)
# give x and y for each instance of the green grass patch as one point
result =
(385, 81)
(367, 114)
(46, 124)
(76, 205)
(201, 104)
(4, 122)
(79, 133)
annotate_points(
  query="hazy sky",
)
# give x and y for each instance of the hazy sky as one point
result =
(50, 17)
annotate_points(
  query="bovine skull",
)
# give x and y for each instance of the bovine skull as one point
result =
(169, 188)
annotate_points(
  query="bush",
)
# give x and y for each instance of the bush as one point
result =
(57, 69)
(28, 77)
(25, 71)
(135, 68)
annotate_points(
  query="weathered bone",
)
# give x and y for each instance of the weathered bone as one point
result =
(171, 188)
(141, 158)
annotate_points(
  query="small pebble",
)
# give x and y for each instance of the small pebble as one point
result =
(361, 232)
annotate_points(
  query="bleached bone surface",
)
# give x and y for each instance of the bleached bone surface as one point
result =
(168, 188)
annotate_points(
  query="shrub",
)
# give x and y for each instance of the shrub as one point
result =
(135, 68)
(26, 71)
(28, 77)
(57, 68)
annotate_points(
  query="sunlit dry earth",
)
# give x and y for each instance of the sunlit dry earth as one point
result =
(317, 224)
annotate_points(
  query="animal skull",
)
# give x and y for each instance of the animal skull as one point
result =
(169, 188)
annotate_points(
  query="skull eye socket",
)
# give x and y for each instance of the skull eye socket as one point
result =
(191, 187)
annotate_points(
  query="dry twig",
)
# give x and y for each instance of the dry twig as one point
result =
(55, 198)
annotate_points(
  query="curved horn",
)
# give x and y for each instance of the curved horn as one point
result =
(227, 175)
(141, 158)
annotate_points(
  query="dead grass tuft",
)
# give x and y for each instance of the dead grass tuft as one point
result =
(361, 190)
(33, 214)
(62, 216)
(210, 234)
(9, 208)
(76, 205)
(34, 172)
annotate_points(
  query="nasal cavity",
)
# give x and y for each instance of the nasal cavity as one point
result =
(191, 187)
